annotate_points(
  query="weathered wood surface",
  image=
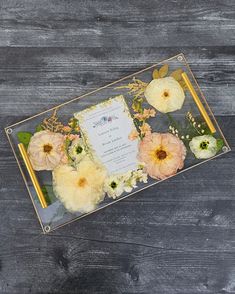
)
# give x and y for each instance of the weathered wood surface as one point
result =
(176, 237)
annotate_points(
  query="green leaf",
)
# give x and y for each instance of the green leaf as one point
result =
(39, 128)
(24, 138)
(220, 144)
(48, 194)
(137, 105)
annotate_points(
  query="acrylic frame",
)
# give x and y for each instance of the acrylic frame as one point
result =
(180, 57)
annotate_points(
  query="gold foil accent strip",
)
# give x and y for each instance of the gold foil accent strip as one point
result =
(198, 102)
(32, 175)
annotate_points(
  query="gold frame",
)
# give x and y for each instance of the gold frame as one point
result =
(32, 175)
(181, 58)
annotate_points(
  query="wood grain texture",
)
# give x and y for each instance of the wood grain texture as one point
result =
(176, 237)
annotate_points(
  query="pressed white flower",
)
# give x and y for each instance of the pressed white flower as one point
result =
(165, 94)
(129, 181)
(45, 150)
(203, 146)
(79, 189)
(77, 150)
(114, 186)
(140, 176)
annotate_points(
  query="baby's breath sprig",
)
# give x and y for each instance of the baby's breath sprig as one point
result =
(192, 127)
(183, 136)
(197, 126)
(176, 129)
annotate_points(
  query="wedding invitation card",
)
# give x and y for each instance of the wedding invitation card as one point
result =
(105, 128)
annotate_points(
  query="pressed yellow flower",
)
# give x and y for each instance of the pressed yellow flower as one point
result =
(79, 189)
(165, 94)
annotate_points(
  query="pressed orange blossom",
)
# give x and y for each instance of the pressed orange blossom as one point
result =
(163, 154)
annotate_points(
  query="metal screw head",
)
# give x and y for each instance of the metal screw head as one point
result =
(47, 229)
(180, 58)
(224, 148)
(9, 131)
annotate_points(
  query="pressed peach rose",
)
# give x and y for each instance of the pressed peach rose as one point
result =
(45, 150)
(163, 154)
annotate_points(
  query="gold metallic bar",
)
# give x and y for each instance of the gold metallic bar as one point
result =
(198, 103)
(32, 174)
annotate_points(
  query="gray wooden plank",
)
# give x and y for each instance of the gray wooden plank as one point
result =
(98, 24)
(117, 269)
(48, 77)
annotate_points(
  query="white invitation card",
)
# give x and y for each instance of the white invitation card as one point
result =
(105, 128)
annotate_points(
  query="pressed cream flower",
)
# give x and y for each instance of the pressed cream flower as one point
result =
(140, 176)
(45, 150)
(129, 181)
(163, 154)
(165, 94)
(77, 150)
(114, 186)
(79, 189)
(203, 146)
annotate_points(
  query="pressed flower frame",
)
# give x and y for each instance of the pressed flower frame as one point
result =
(55, 214)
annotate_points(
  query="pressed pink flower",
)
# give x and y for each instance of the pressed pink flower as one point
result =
(72, 137)
(139, 116)
(147, 113)
(67, 129)
(64, 159)
(163, 154)
(45, 150)
(133, 135)
(145, 129)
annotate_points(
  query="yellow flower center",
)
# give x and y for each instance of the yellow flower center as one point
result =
(47, 148)
(82, 182)
(166, 94)
(161, 154)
